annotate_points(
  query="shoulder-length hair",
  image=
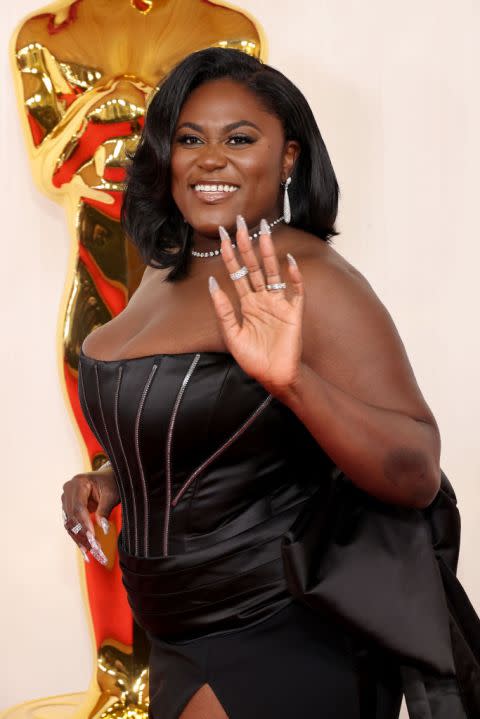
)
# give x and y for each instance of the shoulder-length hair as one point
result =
(149, 215)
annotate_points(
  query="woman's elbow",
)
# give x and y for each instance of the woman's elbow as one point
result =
(415, 473)
(426, 487)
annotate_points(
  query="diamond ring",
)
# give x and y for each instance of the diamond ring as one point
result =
(239, 273)
(277, 286)
(76, 529)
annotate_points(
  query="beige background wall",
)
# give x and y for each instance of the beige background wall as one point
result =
(394, 89)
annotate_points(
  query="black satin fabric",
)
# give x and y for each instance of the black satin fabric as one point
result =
(232, 512)
(372, 564)
(212, 473)
(160, 418)
(389, 573)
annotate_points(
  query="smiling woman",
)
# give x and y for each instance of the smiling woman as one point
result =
(244, 155)
(225, 415)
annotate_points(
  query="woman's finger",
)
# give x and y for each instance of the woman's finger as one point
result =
(85, 540)
(248, 256)
(84, 553)
(96, 549)
(270, 259)
(79, 525)
(108, 498)
(224, 310)
(297, 280)
(242, 284)
(77, 531)
(76, 495)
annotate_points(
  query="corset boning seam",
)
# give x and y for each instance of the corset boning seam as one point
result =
(212, 415)
(168, 466)
(127, 465)
(235, 435)
(139, 458)
(112, 457)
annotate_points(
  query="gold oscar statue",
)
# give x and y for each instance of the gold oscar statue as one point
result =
(83, 72)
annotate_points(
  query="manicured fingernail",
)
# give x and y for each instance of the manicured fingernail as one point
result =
(84, 552)
(264, 227)
(212, 284)
(291, 260)
(93, 542)
(104, 523)
(96, 549)
(241, 224)
(100, 556)
(223, 233)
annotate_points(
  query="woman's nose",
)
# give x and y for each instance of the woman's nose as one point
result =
(211, 157)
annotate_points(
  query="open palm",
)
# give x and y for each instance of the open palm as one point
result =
(267, 344)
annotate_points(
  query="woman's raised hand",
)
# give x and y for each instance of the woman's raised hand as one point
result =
(89, 492)
(268, 342)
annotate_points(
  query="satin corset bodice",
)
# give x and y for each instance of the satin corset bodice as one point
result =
(200, 450)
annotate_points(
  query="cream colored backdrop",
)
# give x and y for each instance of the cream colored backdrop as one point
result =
(394, 89)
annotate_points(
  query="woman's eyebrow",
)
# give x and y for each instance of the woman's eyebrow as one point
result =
(227, 128)
(234, 125)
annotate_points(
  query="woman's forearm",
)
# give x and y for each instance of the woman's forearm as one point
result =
(388, 454)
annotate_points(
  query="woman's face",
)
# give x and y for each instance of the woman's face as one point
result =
(224, 136)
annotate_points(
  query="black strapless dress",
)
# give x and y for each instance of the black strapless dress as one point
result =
(212, 471)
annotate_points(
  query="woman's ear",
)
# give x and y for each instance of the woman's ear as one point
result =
(290, 155)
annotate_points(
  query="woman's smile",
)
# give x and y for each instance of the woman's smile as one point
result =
(213, 192)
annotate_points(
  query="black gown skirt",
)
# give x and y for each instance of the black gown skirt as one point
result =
(296, 664)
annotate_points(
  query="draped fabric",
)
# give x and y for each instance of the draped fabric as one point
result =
(390, 573)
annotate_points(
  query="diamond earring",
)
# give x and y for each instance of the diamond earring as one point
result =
(287, 215)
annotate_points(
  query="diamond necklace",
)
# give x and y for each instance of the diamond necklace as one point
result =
(212, 253)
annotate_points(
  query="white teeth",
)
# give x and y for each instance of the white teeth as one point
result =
(216, 188)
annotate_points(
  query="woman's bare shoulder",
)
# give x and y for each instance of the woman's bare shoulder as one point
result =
(315, 253)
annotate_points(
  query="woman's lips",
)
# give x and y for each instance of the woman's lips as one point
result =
(211, 194)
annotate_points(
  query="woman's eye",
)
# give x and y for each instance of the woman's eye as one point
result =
(233, 140)
(240, 140)
(188, 139)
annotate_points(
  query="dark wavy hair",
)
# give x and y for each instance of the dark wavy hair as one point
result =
(149, 215)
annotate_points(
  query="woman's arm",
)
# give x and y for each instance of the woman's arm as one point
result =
(356, 392)
(331, 352)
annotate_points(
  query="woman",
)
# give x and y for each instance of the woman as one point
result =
(223, 412)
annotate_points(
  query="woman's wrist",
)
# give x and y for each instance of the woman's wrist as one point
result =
(292, 393)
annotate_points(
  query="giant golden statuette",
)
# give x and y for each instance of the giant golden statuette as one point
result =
(83, 72)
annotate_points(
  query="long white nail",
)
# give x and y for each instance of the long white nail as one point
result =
(93, 542)
(265, 227)
(212, 284)
(104, 524)
(291, 260)
(223, 233)
(96, 549)
(241, 224)
(100, 556)
(84, 552)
